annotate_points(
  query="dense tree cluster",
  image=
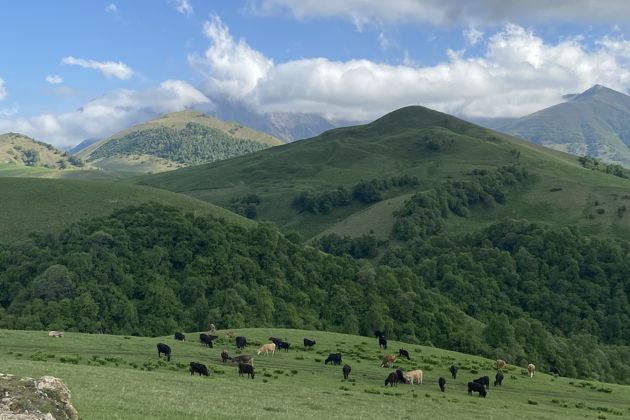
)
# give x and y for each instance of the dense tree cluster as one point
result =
(365, 246)
(595, 164)
(246, 206)
(193, 145)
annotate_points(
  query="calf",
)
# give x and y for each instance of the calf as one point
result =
(266, 348)
(442, 383)
(453, 369)
(201, 369)
(554, 370)
(247, 369)
(163, 348)
(404, 353)
(283, 345)
(382, 342)
(204, 339)
(308, 343)
(346, 371)
(413, 375)
(241, 342)
(55, 334)
(334, 358)
(388, 360)
(477, 387)
(392, 379)
(244, 358)
(484, 380)
(531, 369)
(179, 336)
(498, 379)
(225, 356)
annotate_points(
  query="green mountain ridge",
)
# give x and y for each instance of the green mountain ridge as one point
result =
(18, 151)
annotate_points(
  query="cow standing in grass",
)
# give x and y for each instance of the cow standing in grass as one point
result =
(392, 379)
(346, 371)
(501, 364)
(244, 368)
(404, 353)
(225, 356)
(309, 343)
(453, 369)
(388, 360)
(498, 379)
(163, 348)
(442, 384)
(180, 337)
(477, 387)
(531, 369)
(241, 342)
(334, 358)
(199, 368)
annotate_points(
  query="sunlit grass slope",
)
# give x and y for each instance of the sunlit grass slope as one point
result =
(116, 377)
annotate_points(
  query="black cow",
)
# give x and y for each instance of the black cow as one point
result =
(283, 345)
(554, 370)
(379, 333)
(241, 342)
(442, 383)
(484, 380)
(346, 371)
(476, 387)
(205, 340)
(245, 368)
(498, 379)
(334, 358)
(382, 342)
(201, 369)
(392, 379)
(179, 336)
(453, 369)
(401, 377)
(225, 356)
(275, 340)
(404, 353)
(308, 343)
(163, 348)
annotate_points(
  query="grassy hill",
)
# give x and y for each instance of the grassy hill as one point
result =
(593, 123)
(175, 140)
(120, 377)
(51, 205)
(18, 151)
(430, 146)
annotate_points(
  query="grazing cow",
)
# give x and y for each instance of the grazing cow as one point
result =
(404, 353)
(163, 348)
(266, 348)
(531, 369)
(244, 358)
(554, 370)
(382, 342)
(201, 369)
(204, 339)
(501, 364)
(401, 376)
(484, 380)
(498, 379)
(229, 333)
(453, 369)
(346, 371)
(275, 340)
(379, 333)
(308, 343)
(225, 356)
(442, 383)
(283, 345)
(413, 375)
(241, 342)
(392, 379)
(477, 387)
(334, 358)
(55, 334)
(388, 360)
(245, 368)
(179, 336)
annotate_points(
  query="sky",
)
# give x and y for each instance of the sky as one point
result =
(72, 70)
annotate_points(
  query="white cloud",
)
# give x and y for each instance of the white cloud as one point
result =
(3, 91)
(184, 7)
(448, 12)
(472, 35)
(109, 68)
(107, 114)
(111, 8)
(517, 73)
(54, 79)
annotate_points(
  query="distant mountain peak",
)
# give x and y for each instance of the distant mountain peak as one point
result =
(597, 91)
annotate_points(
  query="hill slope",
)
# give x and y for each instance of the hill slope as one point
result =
(17, 150)
(595, 123)
(175, 140)
(427, 146)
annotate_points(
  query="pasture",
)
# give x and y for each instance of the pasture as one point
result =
(121, 377)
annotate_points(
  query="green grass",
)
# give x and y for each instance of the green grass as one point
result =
(112, 380)
(50, 205)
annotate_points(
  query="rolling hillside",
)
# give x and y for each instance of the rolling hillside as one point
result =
(18, 151)
(428, 146)
(174, 140)
(594, 123)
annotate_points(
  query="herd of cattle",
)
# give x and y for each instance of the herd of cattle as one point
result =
(246, 362)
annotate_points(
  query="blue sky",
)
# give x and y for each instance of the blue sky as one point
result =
(75, 69)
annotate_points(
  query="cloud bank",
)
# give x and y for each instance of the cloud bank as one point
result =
(118, 70)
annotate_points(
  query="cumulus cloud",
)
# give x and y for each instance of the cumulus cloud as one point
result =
(111, 8)
(54, 79)
(107, 114)
(118, 70)
(183, 7)
(472, 35)
(517, 73)
(448, 11)
(3, 91)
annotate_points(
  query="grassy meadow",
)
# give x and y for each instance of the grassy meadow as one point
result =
(121, 377)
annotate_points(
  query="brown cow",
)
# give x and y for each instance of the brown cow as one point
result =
(388, 360)
(501, 364)
(229, 333)
(225, 355)
(245, 358)
(531, 368)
